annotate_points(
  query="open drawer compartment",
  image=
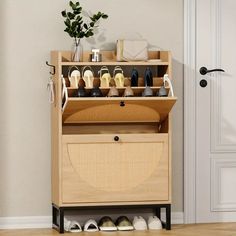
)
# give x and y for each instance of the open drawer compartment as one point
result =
(120, 109)
(115, 168)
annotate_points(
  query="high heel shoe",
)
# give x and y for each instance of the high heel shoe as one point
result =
(148, 78)
(128, 92)
(96, 92)
(113, 92)
(74, 76)
(105, 77)
(134, 78)
(88, 76)
(118, 76)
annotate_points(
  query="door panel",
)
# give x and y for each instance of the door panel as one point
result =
(216, 112)
(98, 169)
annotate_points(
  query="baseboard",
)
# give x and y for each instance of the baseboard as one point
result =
(26, 222)
(31, 222)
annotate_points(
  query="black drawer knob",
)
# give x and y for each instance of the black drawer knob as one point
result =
(116, 138)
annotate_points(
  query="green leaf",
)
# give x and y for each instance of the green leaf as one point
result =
(71, 15)
(91, 24)
(71, 4)
(77, 4)
(67, 22)
(85, 26)
(104, 16)
(64, 13)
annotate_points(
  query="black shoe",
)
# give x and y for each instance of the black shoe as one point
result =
(148, 78)
(81, 92)
(96, 92)
(134, 78)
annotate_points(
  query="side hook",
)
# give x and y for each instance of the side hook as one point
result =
(53, 67)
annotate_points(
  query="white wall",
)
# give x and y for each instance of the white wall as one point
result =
(29, 30)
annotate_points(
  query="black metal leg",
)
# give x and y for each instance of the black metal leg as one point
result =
(168, 217)
(61, 220)
(158, 212)
(54, 216)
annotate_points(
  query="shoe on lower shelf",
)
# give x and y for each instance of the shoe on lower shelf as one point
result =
(106, 224)
(91, 226)
(124, 224)
(139, 223)
(154, 223)
(72, 226)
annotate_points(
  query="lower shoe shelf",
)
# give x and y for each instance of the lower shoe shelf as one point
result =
(58, 214)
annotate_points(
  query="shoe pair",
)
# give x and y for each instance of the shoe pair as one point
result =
(113, 92)
(153, 223)
(74, 76)
(106, 80)
(75, 227)
(122, 224)
(148, 78)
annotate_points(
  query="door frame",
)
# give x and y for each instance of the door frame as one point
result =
(190, 73)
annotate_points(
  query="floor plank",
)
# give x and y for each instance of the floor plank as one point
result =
(219, 229)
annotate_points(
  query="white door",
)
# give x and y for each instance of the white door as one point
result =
(216, 111)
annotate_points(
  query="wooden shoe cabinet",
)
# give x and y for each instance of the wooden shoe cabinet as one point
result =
(111, 152)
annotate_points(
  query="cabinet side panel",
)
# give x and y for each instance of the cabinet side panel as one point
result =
(56, 131)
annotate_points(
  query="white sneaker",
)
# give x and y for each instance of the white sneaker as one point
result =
(139, 223)
(154, 222)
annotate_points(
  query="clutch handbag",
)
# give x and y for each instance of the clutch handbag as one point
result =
(132, 50)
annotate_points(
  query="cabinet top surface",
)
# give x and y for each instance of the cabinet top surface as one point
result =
(109, 58)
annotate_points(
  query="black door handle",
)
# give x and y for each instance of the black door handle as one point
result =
(203, 70)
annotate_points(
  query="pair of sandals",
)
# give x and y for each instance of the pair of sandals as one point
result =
(74, 227)
(74, 76)
(88, 77)
(122, 224)
(153, 223)
(106, 79)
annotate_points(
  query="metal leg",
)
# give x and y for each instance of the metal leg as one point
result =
(158, 212)
(54, 216)
(61, 220)
(168, 217)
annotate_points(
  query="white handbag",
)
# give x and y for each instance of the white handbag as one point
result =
(132, 50)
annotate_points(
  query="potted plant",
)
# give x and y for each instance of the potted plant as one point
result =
(77, 28)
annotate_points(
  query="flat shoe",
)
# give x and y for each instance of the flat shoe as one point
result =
(123, 224)
(154, 223)
(139, 223)
(106, 224)
(91, 226)
(72, 226)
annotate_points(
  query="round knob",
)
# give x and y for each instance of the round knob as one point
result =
(116, 138)
(203, 83)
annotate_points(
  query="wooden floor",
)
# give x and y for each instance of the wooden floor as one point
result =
(222, 229)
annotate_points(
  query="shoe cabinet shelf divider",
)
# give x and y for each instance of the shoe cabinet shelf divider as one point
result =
(111, 152)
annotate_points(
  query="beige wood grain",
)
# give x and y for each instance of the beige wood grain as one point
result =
(109, 58)
(217, 229)
(82, 110)
(125, 128)
(98, 169)
(91, 169)
(56, 130)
